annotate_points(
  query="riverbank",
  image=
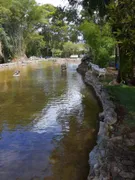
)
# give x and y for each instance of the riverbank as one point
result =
(28, 61)
(113, 157)
(124, 98)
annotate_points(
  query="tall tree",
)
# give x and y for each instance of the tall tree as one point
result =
(92, 5)
(123, 23)
(101, 43)
(20, 20)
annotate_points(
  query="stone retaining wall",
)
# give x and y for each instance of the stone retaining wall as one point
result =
(107, 119)
(110, 159)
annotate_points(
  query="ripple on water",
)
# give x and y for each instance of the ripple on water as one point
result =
(48, 122)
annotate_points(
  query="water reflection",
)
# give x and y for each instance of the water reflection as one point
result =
(57, 108)
(70, 156)
(48, 124)
(28, 93)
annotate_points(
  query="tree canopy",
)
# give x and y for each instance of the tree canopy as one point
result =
(100, 41)
(123, 22)
(120, 15)
(27, 28)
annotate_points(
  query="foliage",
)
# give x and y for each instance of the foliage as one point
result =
(35, 45)
(18, 19)
(121, 16)
(100, 41)
(56, 52)
(56, 29)
(122, 21)
(70, 48)
(125, 97)
(92, 5)
(27, 28)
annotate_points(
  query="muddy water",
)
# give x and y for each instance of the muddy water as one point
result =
(48, 122)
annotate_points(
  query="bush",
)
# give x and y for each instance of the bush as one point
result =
(100, 41)
(56, 52)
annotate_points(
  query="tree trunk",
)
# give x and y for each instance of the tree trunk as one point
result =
(126, 71)
(117, 62)
(119, 76)
(1, 54)
(116, 57)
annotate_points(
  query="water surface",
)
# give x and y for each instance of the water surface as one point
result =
(48, 122)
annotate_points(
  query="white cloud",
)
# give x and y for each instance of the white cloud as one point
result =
(54, 2)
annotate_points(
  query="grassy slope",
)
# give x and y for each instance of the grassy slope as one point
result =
(125, 96)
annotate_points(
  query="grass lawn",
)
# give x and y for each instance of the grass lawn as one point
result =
(124, 96)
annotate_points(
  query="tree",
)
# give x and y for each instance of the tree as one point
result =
(26, 27)
(123, 23)
(121, 17)
(35, 45)
(57, 28)
(53, 27)
(20, 19)
(4, 38)
(70, 48)
(99, 40)
(92, 5)
(56, 52)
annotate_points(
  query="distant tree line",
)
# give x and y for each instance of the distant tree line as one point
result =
(29, 29)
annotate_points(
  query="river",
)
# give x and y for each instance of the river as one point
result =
(48, 123)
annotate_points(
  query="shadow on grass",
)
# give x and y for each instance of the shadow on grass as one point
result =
(125, 96)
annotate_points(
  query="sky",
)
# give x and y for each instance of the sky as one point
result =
(54, 2)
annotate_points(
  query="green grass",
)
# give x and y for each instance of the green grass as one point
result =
(125, 96)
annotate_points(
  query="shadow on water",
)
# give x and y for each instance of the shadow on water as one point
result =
(48, 123)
